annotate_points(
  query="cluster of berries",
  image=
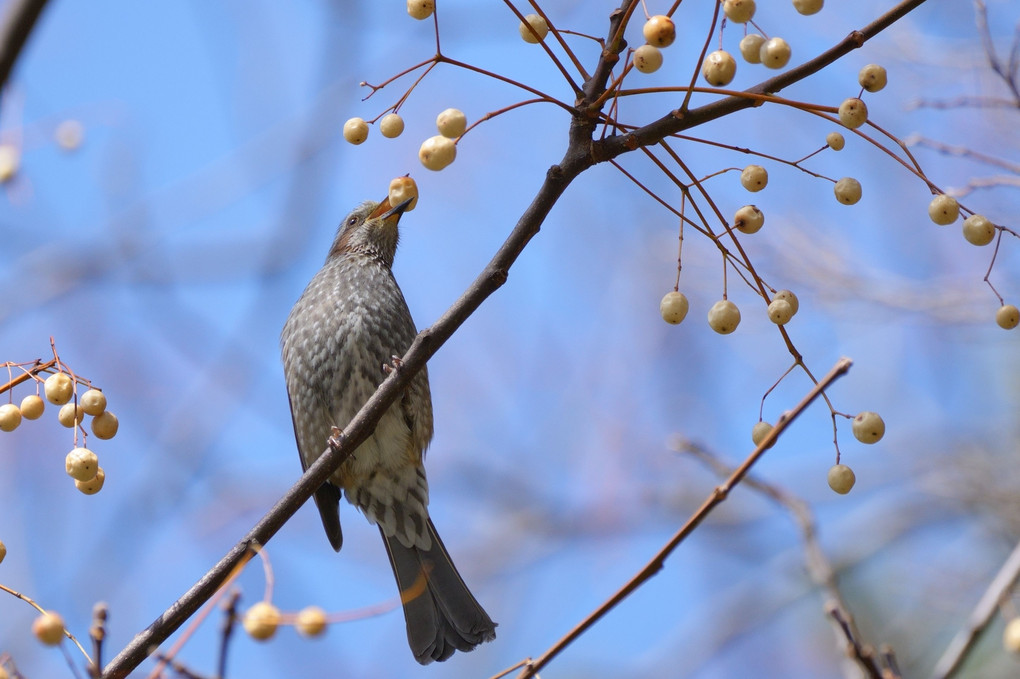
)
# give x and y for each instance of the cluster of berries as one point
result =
(60, 389)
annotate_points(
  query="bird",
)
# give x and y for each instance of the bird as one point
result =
(343, 335)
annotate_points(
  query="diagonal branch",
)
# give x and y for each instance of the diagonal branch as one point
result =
(680, 119)
(964, 641)
(716, 497)
(16, 26)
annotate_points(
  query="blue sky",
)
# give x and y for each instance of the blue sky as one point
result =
(165, 253)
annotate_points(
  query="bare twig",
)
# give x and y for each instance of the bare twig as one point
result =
(716, 497)
(229, 623)
(679, 120)
(864, 654)
(1006, 72)
(16, 26)
(167, 657)
(97, 632)
(964, 641)
(815, 561)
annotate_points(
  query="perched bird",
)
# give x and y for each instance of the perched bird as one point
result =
(338, 341)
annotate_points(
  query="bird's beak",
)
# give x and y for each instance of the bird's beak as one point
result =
(385, 211)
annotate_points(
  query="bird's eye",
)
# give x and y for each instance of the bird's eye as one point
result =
(351, 221)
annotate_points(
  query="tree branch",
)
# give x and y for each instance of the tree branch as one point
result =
(964, 640)
(15, 28)
(680, 120)
(716, 497)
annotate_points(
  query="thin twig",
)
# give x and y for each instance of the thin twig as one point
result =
(816, 563)
(679, 120)
(16, 26)
(964, 641)
(229, 623)
(716, 497)
(864, 654)
(97, 632)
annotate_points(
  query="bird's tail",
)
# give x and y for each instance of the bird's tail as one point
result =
(441, 613)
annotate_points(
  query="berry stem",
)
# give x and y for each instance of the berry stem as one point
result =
(761, 409)
(988, 274)
(28, 600)
(548, 50)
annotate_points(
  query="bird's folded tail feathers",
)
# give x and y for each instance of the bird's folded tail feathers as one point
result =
(441, 613)
(327, 499)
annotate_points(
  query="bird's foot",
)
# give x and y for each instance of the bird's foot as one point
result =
(336, 438)
(393, 365)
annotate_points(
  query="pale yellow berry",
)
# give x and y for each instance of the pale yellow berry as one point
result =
(659, 31)
(48, 628)
(105, 425)
(10, 417)
(748, 219)
(943, 209)
(1011, 636)
(538, 24)
(853, 113)
(835, 141)
(868, 427)
(70, 415)
(739, 11)
(81, 464)
(750, 48)
(10, 160)
(32, 407)
(724, 317)
(759, 431)
(719, 68)
(754, 178)
(807, 7)
(774, 53)
(69, 134)
(3, 673)
(437, 152)
(977, 229)
(780, 311)
(841, 478)
(391, 125)
(355, 131)
(261, 620)
(1007, 317)
(93, 402)
(673, 307)
(872, 77)
(847, 190)
(93, 485)
(58, 388)
(402, 188)
(421, 9)
(3, 551)
(311, 621)
(789, 297)
(647, 58)
(451, 123)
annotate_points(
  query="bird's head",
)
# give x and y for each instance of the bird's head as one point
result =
(370, 229)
